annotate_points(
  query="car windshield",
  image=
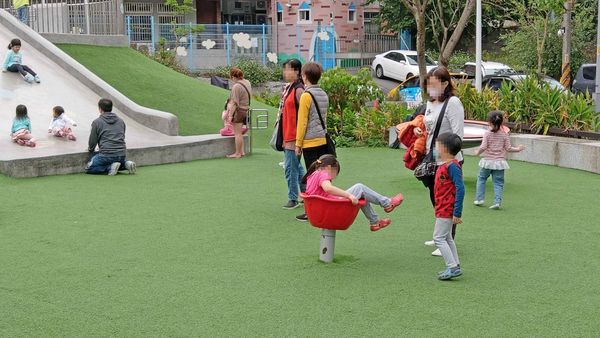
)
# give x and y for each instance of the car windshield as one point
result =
(412, 60)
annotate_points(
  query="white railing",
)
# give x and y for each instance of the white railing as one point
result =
(99, 17)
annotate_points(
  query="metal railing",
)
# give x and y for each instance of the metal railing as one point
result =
(100, 17)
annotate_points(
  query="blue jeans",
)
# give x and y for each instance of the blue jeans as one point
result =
(23, 14)
(100, 164)
(497, 181)
(293, 174)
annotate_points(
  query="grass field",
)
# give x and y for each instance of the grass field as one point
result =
(204, 249)
(197, 104)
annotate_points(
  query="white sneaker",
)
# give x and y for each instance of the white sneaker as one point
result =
(430, 243)
(114, 168)
(495, 206)
(478, 203)
(28, 78)
(437, 253)
(37, 79)
(130, 165)
(281, 164)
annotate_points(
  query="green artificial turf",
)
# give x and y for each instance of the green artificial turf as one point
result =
(197, 105)
(204, 249)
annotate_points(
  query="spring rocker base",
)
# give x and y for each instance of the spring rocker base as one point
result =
(329, 215)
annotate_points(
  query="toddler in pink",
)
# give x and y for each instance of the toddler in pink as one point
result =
(61, 124)
(318, 182)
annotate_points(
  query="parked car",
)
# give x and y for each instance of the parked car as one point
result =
(494, 82)
(585, 80)
(409, 91)
(488, 68)
(399, 64)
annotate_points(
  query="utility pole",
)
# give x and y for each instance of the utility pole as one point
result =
(565, 78)
(478, 38)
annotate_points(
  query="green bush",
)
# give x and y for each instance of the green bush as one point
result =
(254, 71)
(532, 103)
(164, 56)
(270, 98)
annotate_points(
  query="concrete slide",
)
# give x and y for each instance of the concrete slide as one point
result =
(62, 86)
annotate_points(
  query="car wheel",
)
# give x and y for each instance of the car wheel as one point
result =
(408, 76)
(379, 72)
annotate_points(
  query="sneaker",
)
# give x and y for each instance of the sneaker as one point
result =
(382, 224)
(495, 206)
(37, 79)
(437, 253)
(131, 167)
(31, 143)
(291, 205)
(28, 78)
(429, 243)
(478, 203)
(450, 273)
(281, 164)
(71, 137)
(396, 201)
(114, 168)
(302, 218)
(20, 142)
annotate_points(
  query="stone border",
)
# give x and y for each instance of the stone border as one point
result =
(557, 151)
(160, 121)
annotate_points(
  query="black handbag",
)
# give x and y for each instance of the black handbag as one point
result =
(329, 141)
(427, 168)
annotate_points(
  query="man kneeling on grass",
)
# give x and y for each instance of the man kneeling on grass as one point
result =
(108, 133)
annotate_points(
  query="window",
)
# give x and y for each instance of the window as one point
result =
(352, 12)
(589, 72)
(279, 12)
(371, 26)
(392, 56)
(237, 5)
(304, 13)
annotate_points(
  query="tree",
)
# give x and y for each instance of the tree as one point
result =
(183, 7)
(417, 8)
(447, 26)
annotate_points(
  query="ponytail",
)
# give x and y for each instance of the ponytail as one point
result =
(14, 42)
(323, 161)
(496, 118)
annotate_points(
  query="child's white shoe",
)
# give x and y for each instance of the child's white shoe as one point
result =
(437, 253)
(37, 79)
(478, 203)
(495, 206)
(28, 78)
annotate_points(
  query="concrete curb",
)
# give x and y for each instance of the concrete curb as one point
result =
(557, 151)
(160, 121)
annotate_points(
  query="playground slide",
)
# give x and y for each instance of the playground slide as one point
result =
(59, 87)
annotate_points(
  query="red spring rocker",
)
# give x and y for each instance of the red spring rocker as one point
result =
(329, 215)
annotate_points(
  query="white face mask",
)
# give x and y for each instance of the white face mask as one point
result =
(434, 93)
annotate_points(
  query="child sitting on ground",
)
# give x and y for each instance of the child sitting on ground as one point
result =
(21, 128)
(61, 124)
(318, 182)
(13, 62)
(449, 192)
(495, 145)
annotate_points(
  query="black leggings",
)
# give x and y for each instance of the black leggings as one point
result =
(312, 154)
(16, 68)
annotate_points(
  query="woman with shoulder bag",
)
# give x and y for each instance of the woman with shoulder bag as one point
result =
(238, 107)
(442, 102)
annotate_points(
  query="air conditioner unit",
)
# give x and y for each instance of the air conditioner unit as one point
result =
(50, 18)
(261, 5)
(262, 19)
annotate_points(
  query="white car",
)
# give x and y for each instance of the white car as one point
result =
(489, 68)
(399, 64)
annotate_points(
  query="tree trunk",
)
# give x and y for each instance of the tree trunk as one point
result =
(540, 51)
(421, 50)
(449, 47)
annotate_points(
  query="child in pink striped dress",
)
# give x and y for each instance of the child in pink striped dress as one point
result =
(495, 145)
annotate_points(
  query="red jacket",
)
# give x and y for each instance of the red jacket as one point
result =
(416, 145)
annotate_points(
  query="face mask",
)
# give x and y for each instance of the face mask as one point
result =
(434, 92)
